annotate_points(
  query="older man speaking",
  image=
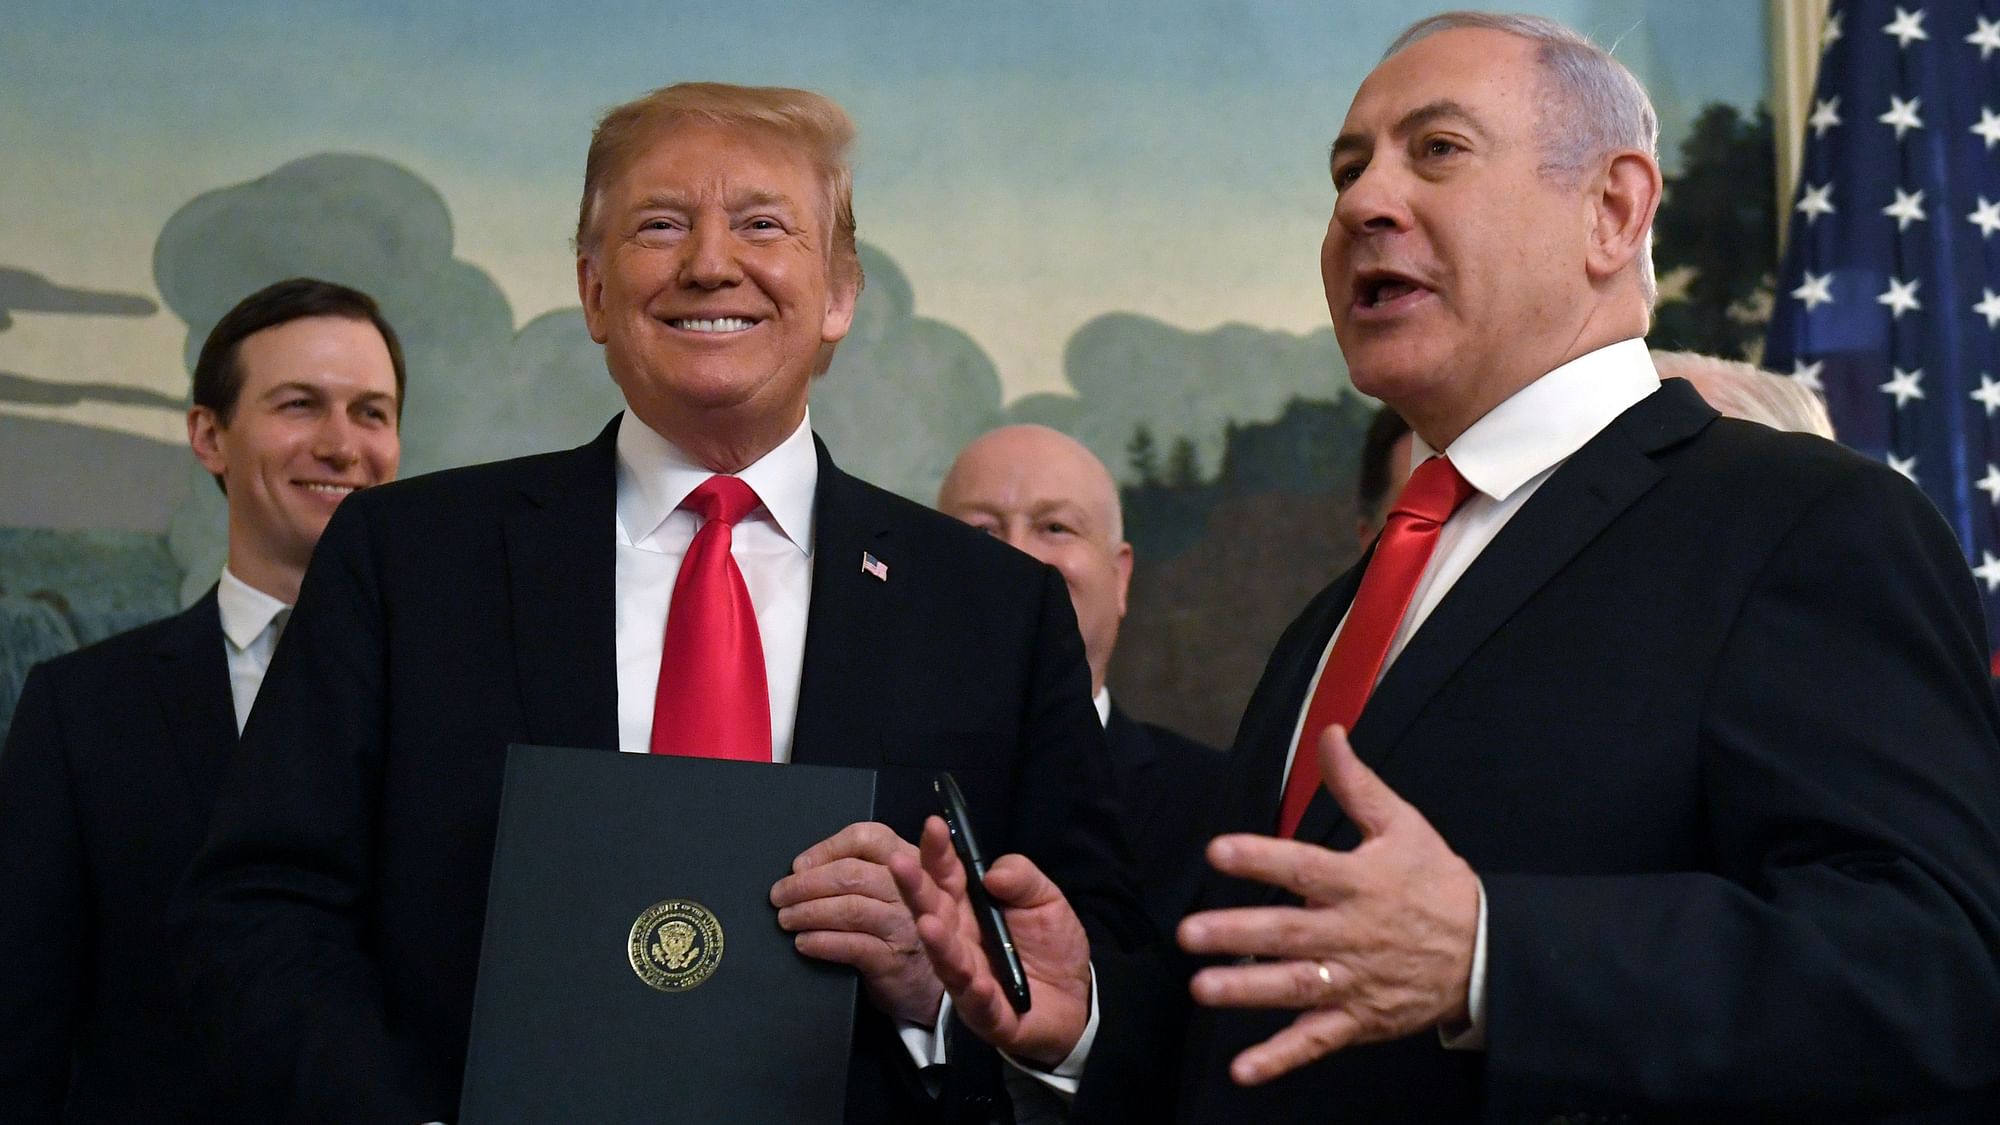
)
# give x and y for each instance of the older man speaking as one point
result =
(331, 929)
(1673, 789)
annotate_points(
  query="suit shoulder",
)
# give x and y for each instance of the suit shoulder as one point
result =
(1173, 742)
(948, 540)
(113, 657)
(1757, 472)
(472, 486)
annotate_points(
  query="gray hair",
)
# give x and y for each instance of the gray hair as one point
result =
(1592, 106)
(1742, 390)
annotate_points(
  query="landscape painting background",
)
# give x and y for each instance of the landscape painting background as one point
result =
(1104, 217)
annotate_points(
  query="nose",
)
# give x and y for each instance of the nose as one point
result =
(1372, 203)
(337, 443)
(710, 258)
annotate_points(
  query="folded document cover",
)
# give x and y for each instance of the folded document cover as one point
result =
(633, 968)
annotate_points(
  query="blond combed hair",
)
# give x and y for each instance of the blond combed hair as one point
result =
(812, 122)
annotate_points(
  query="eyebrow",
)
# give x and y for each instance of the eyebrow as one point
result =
(296, 387)
(1440, 110)
(738, 201)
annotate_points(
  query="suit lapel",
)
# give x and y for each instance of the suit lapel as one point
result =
(851, 624)
(561, 572)
(190, 682)
(1591, 489)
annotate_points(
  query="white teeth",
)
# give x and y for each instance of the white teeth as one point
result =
(718, 324)
(329, 489)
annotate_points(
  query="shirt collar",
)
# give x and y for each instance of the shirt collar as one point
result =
(1549, 419)
(654, 476)
(1102, 701)
(246, 611)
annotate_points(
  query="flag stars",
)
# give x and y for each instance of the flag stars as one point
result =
(1908, 467)
(1903, 115)
(1830, 34)
(1825, 115)
(1908, 208)
(1988, 570)
(1906, 26)
(1988, 394)
(1987, 38)
(1986, 218)
(1904, 385)
(1807, 374)
(1815, 290)
(1988, 128)
(1990, 483)
(1901, 297)
(1815, 201)
(1988, 306)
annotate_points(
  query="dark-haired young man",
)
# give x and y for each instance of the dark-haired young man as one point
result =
(111, 766)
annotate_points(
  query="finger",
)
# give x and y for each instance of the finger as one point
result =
(1313, 873)
(865, 840)
(1363, 795)
(845, 876)
(854, 914)
(1264, 931)
(961, 965)
(1314, 1035)
(940, 860)
(862, 951)
(1282, 984)
(1015, 881)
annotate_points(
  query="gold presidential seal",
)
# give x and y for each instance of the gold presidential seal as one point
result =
(675, 945)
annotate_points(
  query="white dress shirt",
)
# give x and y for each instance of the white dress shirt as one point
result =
(252, 620)
(772, 546)
(1506, 456)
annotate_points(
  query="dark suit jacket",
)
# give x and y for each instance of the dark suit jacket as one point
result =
(106, 783)
(334, 919)
(1710, 718)
(1166, 795)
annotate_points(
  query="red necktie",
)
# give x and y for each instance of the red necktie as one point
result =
(1433, 493)
(712, 700)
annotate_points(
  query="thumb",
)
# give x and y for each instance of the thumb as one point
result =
(1363, 796)
(1015, 881)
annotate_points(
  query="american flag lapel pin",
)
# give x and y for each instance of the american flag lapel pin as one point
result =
(872, 565)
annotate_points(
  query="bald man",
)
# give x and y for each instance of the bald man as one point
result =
(1042, 492)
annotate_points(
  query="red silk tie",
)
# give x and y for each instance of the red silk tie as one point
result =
(713, 701)
(1433, 493)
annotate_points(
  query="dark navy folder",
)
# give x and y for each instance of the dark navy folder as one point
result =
(595, 845)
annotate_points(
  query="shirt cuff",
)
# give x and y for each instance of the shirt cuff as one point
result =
(1472, 1036)
(1069, 1072)
(926, 1044)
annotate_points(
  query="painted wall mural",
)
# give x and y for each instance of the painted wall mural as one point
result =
(1103, 217)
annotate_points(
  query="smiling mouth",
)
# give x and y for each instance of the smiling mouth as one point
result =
(713, 325)
(327, 489)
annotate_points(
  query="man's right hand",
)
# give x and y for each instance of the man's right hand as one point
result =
(1053, 947)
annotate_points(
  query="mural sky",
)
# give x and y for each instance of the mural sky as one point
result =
(1029, 166)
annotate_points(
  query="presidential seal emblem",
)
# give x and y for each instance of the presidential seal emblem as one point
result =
(675, 945)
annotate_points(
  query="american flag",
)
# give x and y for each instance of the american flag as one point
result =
(1887, 300)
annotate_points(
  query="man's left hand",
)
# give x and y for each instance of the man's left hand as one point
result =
(842, 903)
(1382, 947)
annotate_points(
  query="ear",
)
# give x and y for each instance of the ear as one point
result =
(1622, 202)
(590, 292)
(205, 437)
(1122, 559)
(842, 295)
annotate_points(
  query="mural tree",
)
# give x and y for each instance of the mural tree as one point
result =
(1715, 237)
